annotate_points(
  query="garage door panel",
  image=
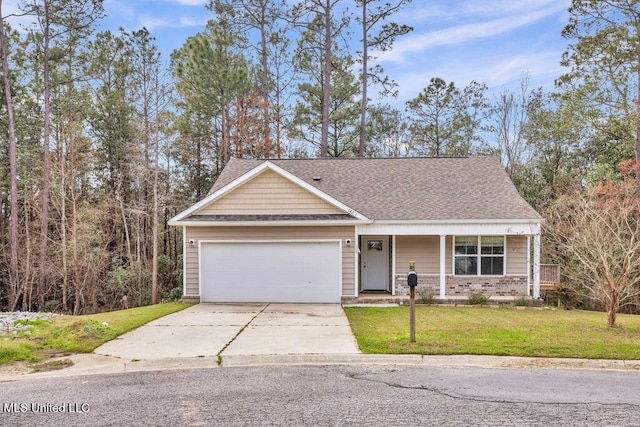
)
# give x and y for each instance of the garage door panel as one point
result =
(270, 272)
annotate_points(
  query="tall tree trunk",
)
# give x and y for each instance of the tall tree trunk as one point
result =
(326, 88)
(27, 285)
(74, 243)
(13, 292)
(278, 131)
(611, 311)
(46, 165)
(226, 139)
(198, 168)
(265, 86)
(365, 77)
(154, 221)
(144, 205)
(63, 227)
(125, 226)
(638, 123)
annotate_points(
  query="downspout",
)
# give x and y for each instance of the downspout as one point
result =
(184, 260)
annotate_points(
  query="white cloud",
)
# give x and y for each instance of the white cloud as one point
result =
(187, 21)
(188, 2)
(157, 14)
(122, 10)
(496, 72)
(14, 16)
(540, 66)
(10, 7)
(409, 46)
(455, 10)
(151, 22)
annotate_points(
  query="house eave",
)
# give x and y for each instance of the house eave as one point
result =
(458, 221)
(452, 227)
(267, 223)
(357, 222)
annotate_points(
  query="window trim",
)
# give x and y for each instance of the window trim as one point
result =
(479, 256)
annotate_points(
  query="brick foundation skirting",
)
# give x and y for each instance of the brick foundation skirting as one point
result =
(457, 286)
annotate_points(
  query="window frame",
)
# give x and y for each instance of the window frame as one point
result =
(478, 255)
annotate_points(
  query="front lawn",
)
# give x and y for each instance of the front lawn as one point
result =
(495, 331)
(77, 334)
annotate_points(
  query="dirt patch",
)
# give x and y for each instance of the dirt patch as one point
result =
(15, 368)
(50, 360)
(50, 365)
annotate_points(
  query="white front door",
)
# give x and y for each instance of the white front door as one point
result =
(375, 263)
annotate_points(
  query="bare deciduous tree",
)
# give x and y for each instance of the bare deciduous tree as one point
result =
(508, 119)
(599, 236)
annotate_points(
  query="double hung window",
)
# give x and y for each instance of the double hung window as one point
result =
(479, 255)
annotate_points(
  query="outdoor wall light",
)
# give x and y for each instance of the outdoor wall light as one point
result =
(191, 242)
(348, 243)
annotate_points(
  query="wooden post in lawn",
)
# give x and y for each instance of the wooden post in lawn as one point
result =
(412, 309)
(412, 281)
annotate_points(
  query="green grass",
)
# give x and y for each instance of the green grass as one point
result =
(78, 334)
(11, 351)
(496, 331)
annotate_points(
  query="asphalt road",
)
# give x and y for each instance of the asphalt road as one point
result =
(327, 396)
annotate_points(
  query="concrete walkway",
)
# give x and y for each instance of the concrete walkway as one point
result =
(206, 330)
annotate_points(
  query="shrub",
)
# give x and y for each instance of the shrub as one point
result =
(51, 306)
(569, 297)
(11, 351)
(522, 302)
(97, 329)
(477, 298)
(426, 298)
(175, 294)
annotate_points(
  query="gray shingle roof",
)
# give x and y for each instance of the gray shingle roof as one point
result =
(414, 188)
(271, 217)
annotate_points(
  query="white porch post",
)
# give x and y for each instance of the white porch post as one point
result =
(443, 277)
(528, 265)
(393, 264)
(536, 265)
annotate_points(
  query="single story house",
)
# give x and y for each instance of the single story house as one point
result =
(327, 230)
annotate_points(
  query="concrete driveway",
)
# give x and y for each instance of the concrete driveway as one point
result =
(239, 329)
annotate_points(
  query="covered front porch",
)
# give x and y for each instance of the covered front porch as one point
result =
(452, 261)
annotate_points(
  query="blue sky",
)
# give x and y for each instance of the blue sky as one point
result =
(491, 41)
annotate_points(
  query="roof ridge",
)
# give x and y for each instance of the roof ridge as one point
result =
(364, 158)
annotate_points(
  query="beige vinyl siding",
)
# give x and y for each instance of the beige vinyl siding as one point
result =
(423, 250)
(449, 255)
(517, 255)
(269, 193)
(271, 233)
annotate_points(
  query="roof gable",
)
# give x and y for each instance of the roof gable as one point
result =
(264, 190)
(268, 193)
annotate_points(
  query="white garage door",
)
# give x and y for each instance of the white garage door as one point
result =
(270, 272)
